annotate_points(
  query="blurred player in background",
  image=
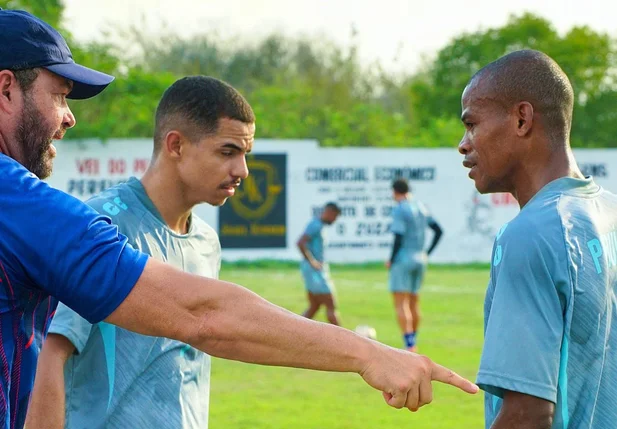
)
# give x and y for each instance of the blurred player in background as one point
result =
(114, 378)
(408, 260)
(549, 357)
(315, 271)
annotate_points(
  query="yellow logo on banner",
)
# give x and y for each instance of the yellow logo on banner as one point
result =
(257, 195)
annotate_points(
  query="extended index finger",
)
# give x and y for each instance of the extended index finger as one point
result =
(445, 375)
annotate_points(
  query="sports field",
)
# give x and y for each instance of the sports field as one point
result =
(255, 397)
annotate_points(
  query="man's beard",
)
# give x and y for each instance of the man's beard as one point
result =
(34, 138)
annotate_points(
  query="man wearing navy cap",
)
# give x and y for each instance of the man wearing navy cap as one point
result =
(35, 53)
(54, 247)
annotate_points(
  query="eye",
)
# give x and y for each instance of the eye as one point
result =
(469, 125)
(227, 153)
(62, 98)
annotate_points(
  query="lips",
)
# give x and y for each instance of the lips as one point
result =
(230, 190)
(59, 135)
(468, 164)
(471, 165)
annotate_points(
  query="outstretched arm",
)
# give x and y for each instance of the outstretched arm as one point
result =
(229, 321)
(103, 277)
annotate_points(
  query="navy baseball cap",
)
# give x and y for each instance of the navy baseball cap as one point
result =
(27, 42)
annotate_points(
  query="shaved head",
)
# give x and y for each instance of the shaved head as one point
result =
(517, 113)
(533, 77)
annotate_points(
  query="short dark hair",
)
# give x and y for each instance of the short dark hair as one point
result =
(532, 76)
(26, 77)
(400, 186)
(333, 206)
(194, 105)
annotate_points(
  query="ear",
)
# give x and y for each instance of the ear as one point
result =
(173, 145)
(9, 89)
(524, 116)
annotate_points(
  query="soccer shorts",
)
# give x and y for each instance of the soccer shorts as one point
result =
(316, 282)
(405, 277)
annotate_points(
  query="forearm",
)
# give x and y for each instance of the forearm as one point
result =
(436, 238)
(229, 321)
(520, 411)
(396, 246)
(306, 253)
(437, 233)
(519, 420)
(250, 329)
(47, 404)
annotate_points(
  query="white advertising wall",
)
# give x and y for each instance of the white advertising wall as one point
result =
(291, 179)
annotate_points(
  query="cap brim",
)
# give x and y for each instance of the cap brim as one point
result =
(86, 82)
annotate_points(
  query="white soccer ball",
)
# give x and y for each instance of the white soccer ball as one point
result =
(366, 331)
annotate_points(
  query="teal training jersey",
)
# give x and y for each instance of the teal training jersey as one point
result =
(550, 306)
(411, 219)
(119, 379)
(315, 245)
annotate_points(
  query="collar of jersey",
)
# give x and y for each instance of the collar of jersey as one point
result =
(140, 192)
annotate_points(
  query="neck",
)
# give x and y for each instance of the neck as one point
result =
(168, 197)
(541, 169)
(5, 149)
(400, 197)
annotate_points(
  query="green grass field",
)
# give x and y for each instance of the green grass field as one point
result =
(258, 397)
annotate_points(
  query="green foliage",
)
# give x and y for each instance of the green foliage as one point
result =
(125, 109)
(49, 11)
(586, 56)
(312, 88)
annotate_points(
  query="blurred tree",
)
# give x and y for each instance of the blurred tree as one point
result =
(125, 109)
(299, 88)
(586, 56)
(49, 11)
(312, 88)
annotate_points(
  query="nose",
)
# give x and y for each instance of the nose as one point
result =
(241, 169)
(464, 147)
(68, 120)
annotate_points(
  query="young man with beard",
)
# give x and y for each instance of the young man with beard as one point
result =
(55, 247)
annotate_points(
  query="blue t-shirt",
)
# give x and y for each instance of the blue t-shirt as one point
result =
(410, 218)
(551, 304)
(52, 247)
